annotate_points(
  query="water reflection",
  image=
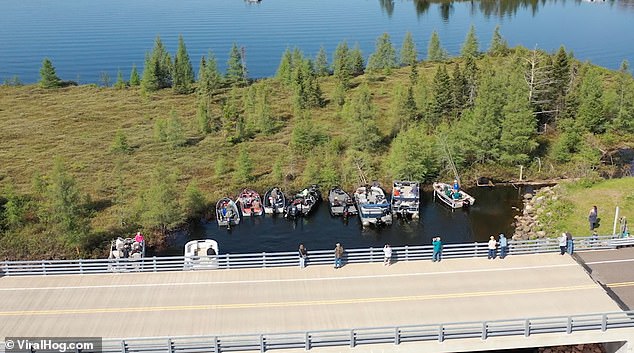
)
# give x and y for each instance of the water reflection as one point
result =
(493, 8)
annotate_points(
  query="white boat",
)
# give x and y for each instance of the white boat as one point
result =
(447, 194)
(304, 202)
(201, 254)
(126, 248)
(274, 201)
(227, 213)
(406, 199)
(250, 203)
(373, 206)
(340, 203)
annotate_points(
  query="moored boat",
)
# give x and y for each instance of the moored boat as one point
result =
(304, 202)
(340, 203)
(227, 213)
(127, 248)
(452, 196)
(201, 254)
(250, 203)
(274, 201)
(373, 206)
(405, 199)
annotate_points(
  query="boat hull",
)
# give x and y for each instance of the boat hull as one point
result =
(372, 206)
(227, 213)
(405, 199)
(443, 192)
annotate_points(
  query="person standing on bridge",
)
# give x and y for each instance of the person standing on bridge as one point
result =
(338, 255)
(387, 255)
(593, 217)
(303, 255)
(570, 243)
(437, 255)
(563, 241)
(504, 246)
(492, 246)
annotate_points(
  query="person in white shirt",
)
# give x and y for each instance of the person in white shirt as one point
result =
(387, 255)
(492, 245)
(563, 240)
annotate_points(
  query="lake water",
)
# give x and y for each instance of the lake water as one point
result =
(492, 214)
(87, 37)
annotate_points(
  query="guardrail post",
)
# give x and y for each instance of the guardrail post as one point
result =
(397, 336)
(216, 348)
(228, 265)
(406, 253)
(604, 322)
(569, 325)
(371, 254)
(484, 330)
(81, 266)
(475, 249)
(43, 267)
(170, 349)
(124, 349)
(352, 340)
(264, 259)
(441, 333)
(527, 328)
(5, 267)
(307, 341)
(262, 344)
(154, 263)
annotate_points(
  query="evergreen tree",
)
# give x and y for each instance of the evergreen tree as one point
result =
(408, 50)
(442, 101)
(356, 62)
(341, 65)
(560, 86)
(471, 75)
(321, 63)
(519, 127)
(403, 109)
(48, 77)
(158, 206)
(203, 118)
(194, 205)
(64, 206)
(412, 156)
(435, 51)
(236, 70)
(471, 46)
(276, 173)
(135, 80)
(591, 111)
(624, 118)
(15, 208)
(499, 46)
(305, 137)
(384, 56)
(361, 116)
(220, 167)
(157, 69)
(120, 143)
(311, 172)
(285, 69)
(265, 121)
(209, 80)
(460, 91)
(183, 74)
(339, 94)
(244, 166)
(120, 84)
(232, 119)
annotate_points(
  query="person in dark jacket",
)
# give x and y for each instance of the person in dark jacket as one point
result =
(338, 255)
(303, 255)
(437, 255)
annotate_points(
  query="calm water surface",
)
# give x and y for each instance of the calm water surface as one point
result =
(87, 37)
(491, 214)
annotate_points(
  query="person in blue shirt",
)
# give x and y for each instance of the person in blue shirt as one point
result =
(456, 186)
(504, 246)
(437, 255)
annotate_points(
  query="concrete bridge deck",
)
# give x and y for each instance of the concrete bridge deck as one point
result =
(292, 299)
(612, 269)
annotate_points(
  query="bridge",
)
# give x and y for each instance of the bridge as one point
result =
(534, 297)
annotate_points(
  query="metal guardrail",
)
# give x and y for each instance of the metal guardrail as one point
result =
(280, 259)
(395, 335)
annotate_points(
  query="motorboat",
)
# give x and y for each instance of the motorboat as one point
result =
(274, 201)
(374, 209)
(304, 202)
(126, 248)
(250, 203)
(340, 203)
(406, 199)
(227, 213)
(452, 196)
(201, 254)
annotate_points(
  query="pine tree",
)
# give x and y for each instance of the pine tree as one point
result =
(194, 205)
(285, 69)
(384, 56)
(341, 64)
(157, 69)
(624, 118)
(413, 156)
(442, 102)
(135, 80)
(470, 47)
(213, 78)
(561, 71)
(265, 121)
(232, 119)
(471, 76)
(360, 113)
(519, 127)
(403, 108)
(591, 111)
(460, 91)
(244, 166)
(409, 55)
(499, 46)
(339, 94)
(159, 206)
(120, 143)
(175, 133)
(236, 71)
(203, 118)
(321, 63)
(435, 51)
(120, 84)
(183, 75)
(356, 63)
(48, 77)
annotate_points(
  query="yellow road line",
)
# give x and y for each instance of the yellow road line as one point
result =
(295, 303)
(620, 284)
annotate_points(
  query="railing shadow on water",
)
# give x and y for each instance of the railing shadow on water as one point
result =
(288, 259)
